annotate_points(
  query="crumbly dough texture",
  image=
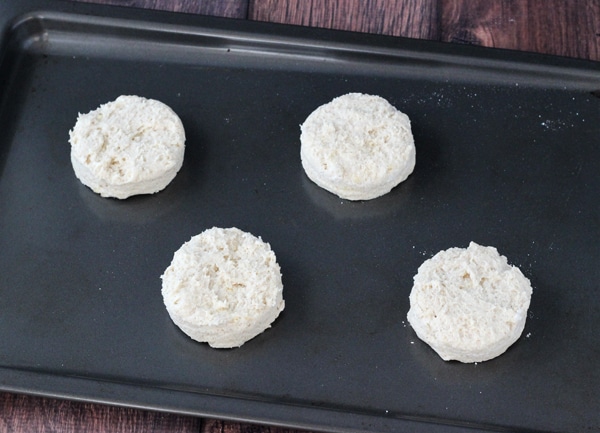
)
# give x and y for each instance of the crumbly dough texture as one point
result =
(357, 146)
(223, 287)
(469, 304)
(128, 146)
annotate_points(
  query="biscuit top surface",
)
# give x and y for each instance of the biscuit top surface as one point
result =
(222, 273)
(467, 300)
(130, 139)
(357, 138)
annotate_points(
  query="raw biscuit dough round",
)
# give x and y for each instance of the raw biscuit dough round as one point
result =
(469, 304)
(357, 146)
(129, 146)
(223, 287)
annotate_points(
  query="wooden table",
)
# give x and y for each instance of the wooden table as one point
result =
(562, 27)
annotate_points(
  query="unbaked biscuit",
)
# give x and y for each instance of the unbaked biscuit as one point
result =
(469, 304)
(126, 147)
(223, 287)
(357, 146)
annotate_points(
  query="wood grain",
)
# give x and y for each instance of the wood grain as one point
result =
(23, 413)
(221, 8)
(561, 27)
(409, 18)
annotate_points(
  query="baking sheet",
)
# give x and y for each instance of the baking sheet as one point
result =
(507, 155)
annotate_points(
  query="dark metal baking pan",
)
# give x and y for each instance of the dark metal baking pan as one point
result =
(507, 155)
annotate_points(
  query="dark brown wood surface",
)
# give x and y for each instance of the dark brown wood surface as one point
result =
(562, 27)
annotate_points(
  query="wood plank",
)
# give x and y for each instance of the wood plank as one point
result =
(221, 8)
(409, 18)
(24, 414)
(562, 27)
